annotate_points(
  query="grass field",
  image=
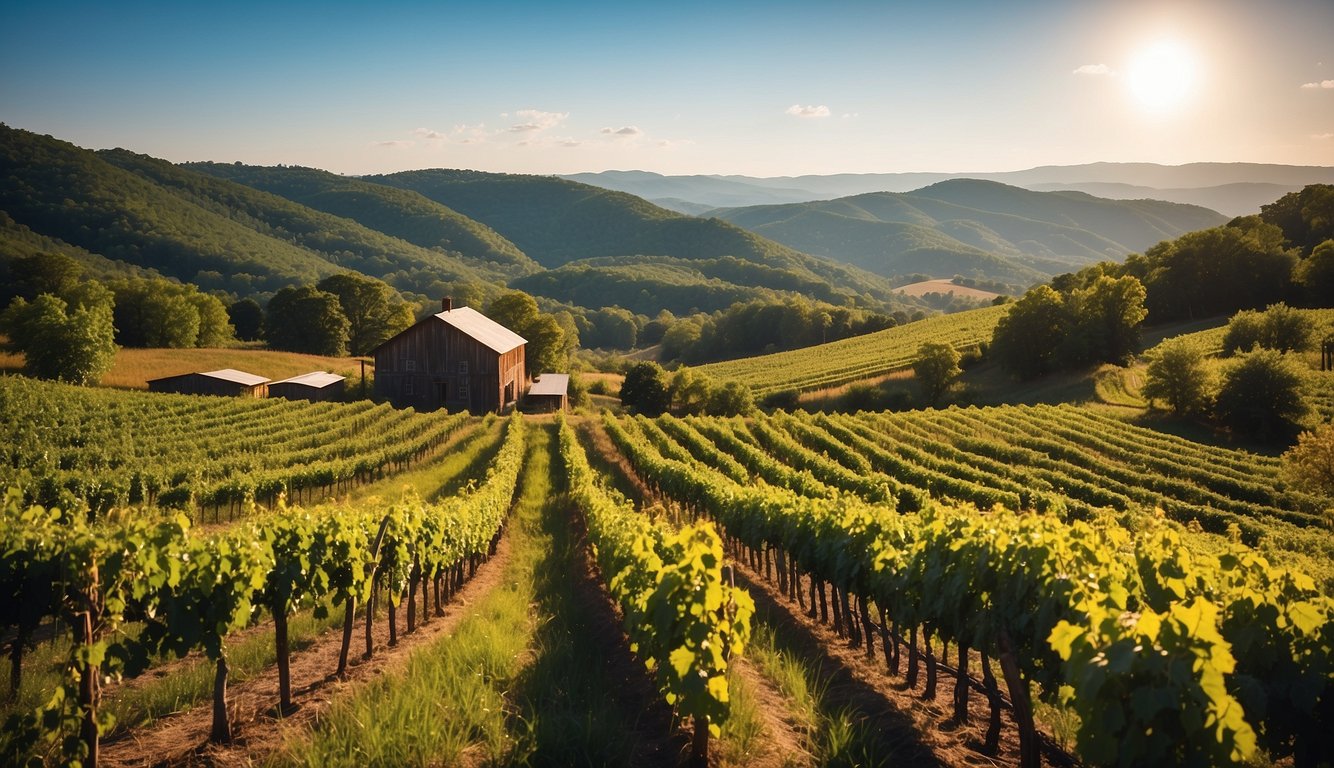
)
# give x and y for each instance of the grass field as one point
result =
(135, 367)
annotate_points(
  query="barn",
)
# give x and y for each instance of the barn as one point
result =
(316, 386)
(227, 382)
(458, 359)
(550, 392)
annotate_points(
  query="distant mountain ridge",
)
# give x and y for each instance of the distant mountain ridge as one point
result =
(973, 228)
(1220, 186)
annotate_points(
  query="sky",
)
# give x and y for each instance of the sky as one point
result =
(771, 88)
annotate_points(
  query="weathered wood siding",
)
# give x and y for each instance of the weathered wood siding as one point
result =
(196, 384)
(433, 365)
(296, 391)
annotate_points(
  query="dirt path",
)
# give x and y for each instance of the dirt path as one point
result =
(182, 738)
(920, 732)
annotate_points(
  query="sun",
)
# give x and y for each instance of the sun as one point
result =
(1161, 76)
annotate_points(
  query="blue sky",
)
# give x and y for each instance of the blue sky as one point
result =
(767, 89)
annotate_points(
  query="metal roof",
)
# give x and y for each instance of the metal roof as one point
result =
(316, 379)
(236, 377)
(486, 331)
(557, 384)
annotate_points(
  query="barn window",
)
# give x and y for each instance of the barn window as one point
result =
(463, 391)
(410, 365)
(463, 367)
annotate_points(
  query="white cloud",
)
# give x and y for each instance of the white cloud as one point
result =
(570, 143)
(797, 110)
(427, 133)
(1094, 70)
(1321, 84)
(536, 120)
(393, 144)
(1322, 136)
(629, 130)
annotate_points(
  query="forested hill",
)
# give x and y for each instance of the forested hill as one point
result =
(556, 222)
(396, 212)
(974, 228)
(220, 235)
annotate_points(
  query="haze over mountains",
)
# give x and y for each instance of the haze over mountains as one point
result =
(1233, 189)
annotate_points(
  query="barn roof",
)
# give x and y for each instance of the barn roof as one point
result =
(557, 384)
(486, 331)
(237, 377)
(225, 374)
(316, 379)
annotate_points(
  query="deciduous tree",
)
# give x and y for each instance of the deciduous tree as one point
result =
(1180, 375)
(1261, 395)
(72, 341)
(936, 367)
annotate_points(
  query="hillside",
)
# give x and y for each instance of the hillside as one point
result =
(860, 357)
(972, 228)
(396, 212)
(151, 215)
(556, 221)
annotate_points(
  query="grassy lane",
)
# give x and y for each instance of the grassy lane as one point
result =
(525, 678)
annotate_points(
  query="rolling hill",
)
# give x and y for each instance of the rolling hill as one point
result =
(1235, 189)
(555, 222)
(972, 228)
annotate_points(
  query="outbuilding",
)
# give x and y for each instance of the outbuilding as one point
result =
(457, 359)
(316, 386)
(550, 392)
(227, 382)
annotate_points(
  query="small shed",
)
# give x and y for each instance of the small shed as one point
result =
(316, 386)
(227, 382)
(550, 392)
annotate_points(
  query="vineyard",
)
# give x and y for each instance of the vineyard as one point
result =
(861, 357)
(988, 571)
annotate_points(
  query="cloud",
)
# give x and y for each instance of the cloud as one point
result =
(427, 133)
(1322, 136)
(570, 143)
(1093, 70)
(796, 110)
(393, 144)
(628, 130)
(536, 120)
(1321, 84)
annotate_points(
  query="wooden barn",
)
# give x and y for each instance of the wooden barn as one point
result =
(227, 382)
(457, 359)
(316, 386)
(550, 392)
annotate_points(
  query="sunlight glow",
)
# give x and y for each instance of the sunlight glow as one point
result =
(1161, 76)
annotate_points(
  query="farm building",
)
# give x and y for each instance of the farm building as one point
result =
(314, 386)
(550, 392)
(227, 382)
(457, 359)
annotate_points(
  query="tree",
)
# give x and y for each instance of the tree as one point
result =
(72, 341)
(1242, 265)
(645, 388)
(247, 317)
(731, 399)
(215, 326)
(549, 342)
(373, 309)
(936, 367)
(163, 313)
(1107, 314)
(53, 273)
(1315, 274)
(1309, 465)
(1306, 216)
(1027, 337)
(689, 390)
(1279, 327)
(306, 319)
(1180, 374)
(1261, 395)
